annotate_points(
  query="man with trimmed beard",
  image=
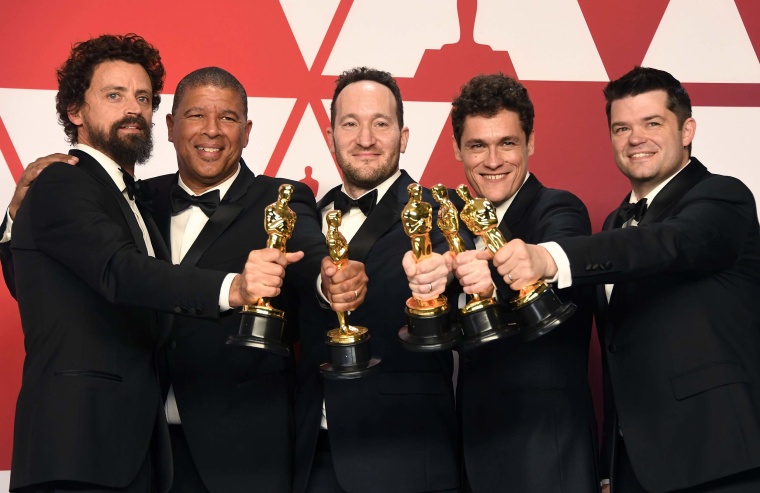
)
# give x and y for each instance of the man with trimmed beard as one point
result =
(89, 414)
(394, 430)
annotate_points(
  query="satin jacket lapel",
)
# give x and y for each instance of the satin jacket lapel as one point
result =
(512, 220)
(229, 208)
(94, 169)
(385, 214)
(160, 188)
(673, 191)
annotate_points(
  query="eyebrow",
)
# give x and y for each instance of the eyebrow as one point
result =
(644, 119)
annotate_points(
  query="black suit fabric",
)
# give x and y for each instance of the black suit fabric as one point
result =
(527, 415)
(682, 330)
(395, 430)
(236, 402)
(90, 402)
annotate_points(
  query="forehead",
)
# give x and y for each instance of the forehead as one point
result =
(211, 97)
(502, 124)
(647, 104)
(365, 98)
(118, 73)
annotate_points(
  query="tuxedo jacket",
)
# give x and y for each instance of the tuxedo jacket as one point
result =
(527, 415)
(90, 402)
(682, 330)
(395, 430)
(236, 402)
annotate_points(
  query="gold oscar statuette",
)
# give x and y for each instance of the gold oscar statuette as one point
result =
(428, 324)
(263, 326)
(538, 309)
(482, 317)
(349, 344)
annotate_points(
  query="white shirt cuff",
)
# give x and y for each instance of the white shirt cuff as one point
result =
(224, 293)
(8, 226)
(319, 290)
(564, 278)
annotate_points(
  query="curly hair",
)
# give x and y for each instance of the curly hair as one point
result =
(359, 74)
(75, 75)
(486, 95)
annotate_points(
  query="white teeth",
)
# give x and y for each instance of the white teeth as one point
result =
(494, 177)
(208, 149)
(641, 154)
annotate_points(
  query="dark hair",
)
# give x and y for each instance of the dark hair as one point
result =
(75, 75)
(486, 95)
(210, 76)
(363, 73)
(645, 79)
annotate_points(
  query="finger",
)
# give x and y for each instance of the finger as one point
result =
(293, 257)
(409, 264)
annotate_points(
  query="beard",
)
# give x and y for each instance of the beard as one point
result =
(364, 177)
(128, 150)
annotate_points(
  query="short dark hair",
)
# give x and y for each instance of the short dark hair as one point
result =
(363, 73)
(645, 79)
(75, 75)
(210, 76)
(486, 95)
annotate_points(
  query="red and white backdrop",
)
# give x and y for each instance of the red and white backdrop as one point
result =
(287, 53)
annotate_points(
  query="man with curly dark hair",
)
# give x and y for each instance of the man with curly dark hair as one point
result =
(89, 414)
(526, 409)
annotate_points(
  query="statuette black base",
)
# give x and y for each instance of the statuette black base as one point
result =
(542, 315)
(349, 361)
(424, 334)
(486, 325)
(263, 332)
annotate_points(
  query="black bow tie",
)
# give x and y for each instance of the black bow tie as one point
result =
(366, 202)
(630, 211)
(135, 190)
(181, 200)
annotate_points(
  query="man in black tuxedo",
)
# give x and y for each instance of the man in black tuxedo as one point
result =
(230, 408)
(678, 274)
(526, 410)
(395, 430)
(89, 414)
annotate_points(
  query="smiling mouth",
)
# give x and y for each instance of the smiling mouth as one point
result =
(494, 177)
(640, 155)
(208, 149)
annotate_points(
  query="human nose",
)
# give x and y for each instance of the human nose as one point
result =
(365, 138)
(133, 107)
(493, 159)
(211, 127)
(636, 136)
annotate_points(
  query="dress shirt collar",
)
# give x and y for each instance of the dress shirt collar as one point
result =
(651, 195)
(108, 164)
(381, 188)
(502, 208)
(223, 187)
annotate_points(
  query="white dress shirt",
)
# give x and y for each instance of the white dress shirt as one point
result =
(349, 225)
(185, 228)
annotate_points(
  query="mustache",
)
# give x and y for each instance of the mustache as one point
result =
(136, 120)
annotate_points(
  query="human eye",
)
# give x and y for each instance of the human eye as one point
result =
(113, 96)
(144, 99)
(619, 130)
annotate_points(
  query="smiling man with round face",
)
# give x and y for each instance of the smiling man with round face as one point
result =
(649, 142)
(209, 129)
